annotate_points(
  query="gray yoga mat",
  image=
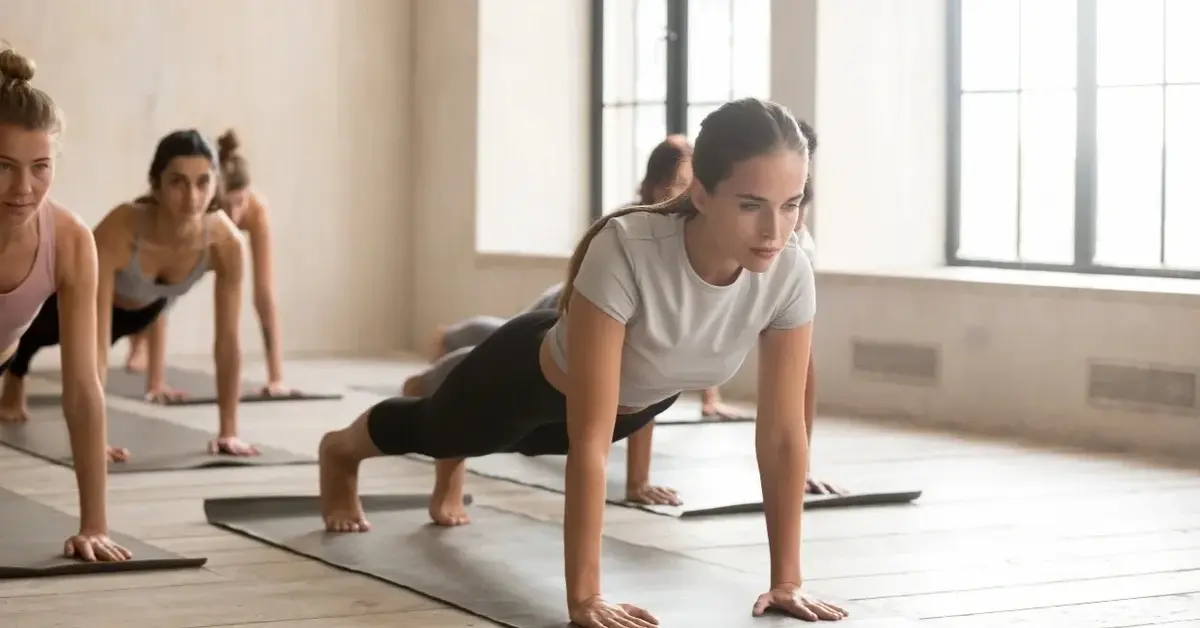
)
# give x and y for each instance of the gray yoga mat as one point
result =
(200, 387)
(378, 389)
(508, 568)
(706, 487)
(154, 444)
(31, 544)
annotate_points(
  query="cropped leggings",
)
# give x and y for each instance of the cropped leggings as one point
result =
(495, 400)
(43, 332)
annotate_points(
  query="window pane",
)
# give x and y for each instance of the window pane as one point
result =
(990, 44)
(619, 50)
(988, 177)
(709, 50)
(696, 115)
(1048, 176)
(651, 121)
(651, 50)
(752, 48)
(1129, 42)
(1129, 145)
(1183, 44)
(619, 169)
(1048, 44)
(1183, 176)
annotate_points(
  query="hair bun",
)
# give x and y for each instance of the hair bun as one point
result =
(227, 144)
(14, 66)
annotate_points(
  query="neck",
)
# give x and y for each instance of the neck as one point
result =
(704, 256)
(166, 229)
(17, 233)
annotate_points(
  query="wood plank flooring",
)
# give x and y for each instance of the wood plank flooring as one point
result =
(1003, 536)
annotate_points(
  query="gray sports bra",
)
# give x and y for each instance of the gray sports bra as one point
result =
(132, 285)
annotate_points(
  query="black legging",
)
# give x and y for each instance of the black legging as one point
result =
(43, 332)
(495, 401)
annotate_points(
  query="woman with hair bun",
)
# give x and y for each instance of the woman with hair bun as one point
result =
(48, 263)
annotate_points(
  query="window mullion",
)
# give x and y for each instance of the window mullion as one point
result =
(677, 67)
(1085, 136)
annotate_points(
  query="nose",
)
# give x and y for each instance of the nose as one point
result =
(24, 183)
(769, 224)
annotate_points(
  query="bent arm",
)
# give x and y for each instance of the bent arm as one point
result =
(781, 443)
(83, 396)
(594, 342)
(227, 350)
(259, 230)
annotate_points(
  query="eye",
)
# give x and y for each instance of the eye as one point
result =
(41, 166)
(6, 166)
(749, 206)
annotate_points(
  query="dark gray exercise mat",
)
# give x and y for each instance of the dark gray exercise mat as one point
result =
(32, 544)
(706, 487)
(200, 387)
(508, 568)
(154, 444)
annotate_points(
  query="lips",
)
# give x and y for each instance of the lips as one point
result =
(764, 252)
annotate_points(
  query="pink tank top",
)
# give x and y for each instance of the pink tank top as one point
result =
(19, 306)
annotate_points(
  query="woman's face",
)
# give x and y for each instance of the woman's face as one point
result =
(26, 172)
(186, 188)
(753, 212)
(235, 204)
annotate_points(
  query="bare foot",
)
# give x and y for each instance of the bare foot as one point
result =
(413, 387)
(446, 504)
(340, 506)
(437, 344)
(12, 400)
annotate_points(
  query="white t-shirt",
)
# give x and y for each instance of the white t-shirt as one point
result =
(808, 245)
(682, 333)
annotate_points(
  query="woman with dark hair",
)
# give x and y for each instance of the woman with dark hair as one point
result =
(658, 299)
(150, 253)
(248, 209)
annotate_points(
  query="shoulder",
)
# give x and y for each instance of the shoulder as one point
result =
(224, 235)
(257, 210)
(638, 236)
(73, 242)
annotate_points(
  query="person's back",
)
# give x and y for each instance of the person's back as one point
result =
(682, 333)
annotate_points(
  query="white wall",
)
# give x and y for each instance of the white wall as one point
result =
(320, 94)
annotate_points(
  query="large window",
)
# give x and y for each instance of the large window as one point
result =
(659, 67)
(1075, 140)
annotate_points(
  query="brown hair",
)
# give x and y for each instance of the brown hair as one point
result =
(662, 166)
(235, 171)
(739, 130)
(22, 104)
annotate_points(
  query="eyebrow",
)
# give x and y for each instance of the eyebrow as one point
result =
(17, 161)
(752, 197)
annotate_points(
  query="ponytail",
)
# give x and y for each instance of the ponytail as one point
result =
(679, 206)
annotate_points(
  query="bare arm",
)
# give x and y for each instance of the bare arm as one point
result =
(782, 444)
(83, 396)
(259, 229)
(156, 345)
(227, 349)
(593, 382)
(637, 463)
(109, 241)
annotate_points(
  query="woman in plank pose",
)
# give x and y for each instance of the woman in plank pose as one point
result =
(48, 260)
(152, 252)
(248, 209)
(668, 174)
(658, 299)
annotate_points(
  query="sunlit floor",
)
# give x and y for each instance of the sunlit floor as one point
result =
(1003, 536)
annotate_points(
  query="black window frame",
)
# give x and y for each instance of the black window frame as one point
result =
(676, 97)
(1087, 91)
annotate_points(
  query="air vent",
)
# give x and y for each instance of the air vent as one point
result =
(1161, 387)
(896, 360)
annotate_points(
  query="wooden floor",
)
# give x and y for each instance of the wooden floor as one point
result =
(1003, 536)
